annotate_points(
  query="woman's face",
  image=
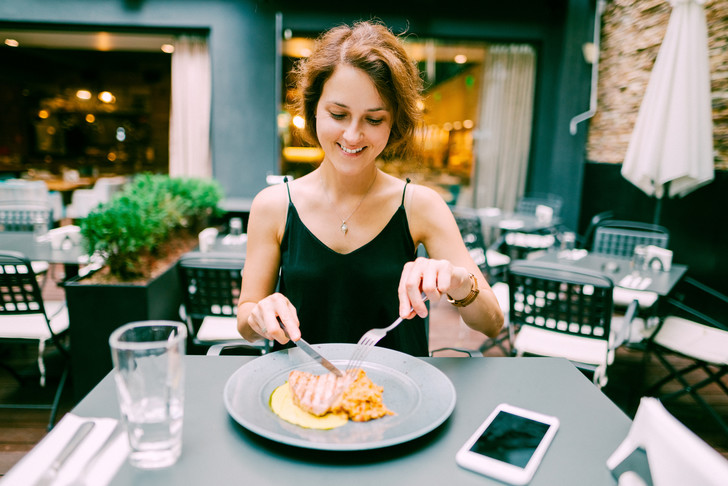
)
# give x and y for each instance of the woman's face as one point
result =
(352, 121)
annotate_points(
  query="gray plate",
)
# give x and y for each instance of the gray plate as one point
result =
(421, 396)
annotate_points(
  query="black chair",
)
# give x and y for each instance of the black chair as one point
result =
(25, 318)
(529, 203)
(210, 284)
(561, 311)
(28, 216)
(696, 330)
(586, 240)
(491, 263)
(619, 237)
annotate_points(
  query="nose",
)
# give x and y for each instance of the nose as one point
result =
(352, 134)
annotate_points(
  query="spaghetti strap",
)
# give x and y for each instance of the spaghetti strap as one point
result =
(285, 179)
(404, 190)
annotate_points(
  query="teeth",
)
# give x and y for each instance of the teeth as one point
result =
(349, 151)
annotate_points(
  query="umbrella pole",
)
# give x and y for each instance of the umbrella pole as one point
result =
(658, 210)
(658, 204)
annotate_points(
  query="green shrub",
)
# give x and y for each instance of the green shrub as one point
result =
(147, 212)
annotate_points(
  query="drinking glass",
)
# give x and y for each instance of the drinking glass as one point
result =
(236, 226)
(40, 228)
(568, 245)
(639, 259)
(149, 375)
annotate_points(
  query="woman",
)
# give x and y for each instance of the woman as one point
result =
(344, 237)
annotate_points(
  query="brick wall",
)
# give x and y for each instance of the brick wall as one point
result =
(632, 32)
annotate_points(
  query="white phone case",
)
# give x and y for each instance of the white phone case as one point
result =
(499, 469)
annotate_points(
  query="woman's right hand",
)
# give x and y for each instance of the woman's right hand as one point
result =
(265, 315)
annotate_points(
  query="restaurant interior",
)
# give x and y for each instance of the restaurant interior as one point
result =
(529, 112)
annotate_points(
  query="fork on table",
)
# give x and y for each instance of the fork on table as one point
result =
(369, 340)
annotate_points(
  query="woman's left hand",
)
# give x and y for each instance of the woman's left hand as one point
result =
(432, 277)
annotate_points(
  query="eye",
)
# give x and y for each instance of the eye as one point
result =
(337, 116)
(374, 121)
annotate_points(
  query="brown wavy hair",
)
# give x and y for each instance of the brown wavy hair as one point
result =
(373, 48)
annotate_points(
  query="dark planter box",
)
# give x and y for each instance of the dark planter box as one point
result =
(95, 310)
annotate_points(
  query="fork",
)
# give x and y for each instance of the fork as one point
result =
(370, 339)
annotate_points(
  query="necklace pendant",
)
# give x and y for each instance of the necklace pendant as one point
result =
(344, 228)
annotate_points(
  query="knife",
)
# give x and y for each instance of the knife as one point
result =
(306, 348)
(50, 475)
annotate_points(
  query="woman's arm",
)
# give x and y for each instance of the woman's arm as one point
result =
(259, 306)
(448, 268)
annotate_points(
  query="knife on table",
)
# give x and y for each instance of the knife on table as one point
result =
(306, 348)
(50, 475)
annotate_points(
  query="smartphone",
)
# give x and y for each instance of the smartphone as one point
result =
(509, 445)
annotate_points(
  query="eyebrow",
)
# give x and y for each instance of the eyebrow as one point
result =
(370, 110)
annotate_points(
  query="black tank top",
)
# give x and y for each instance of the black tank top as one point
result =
(339, 297)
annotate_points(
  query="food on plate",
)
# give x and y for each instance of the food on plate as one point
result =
(306, 399)
(315, 393)
(281, 402)
(362, 400)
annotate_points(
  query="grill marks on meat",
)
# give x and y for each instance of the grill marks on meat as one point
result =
(316, 393)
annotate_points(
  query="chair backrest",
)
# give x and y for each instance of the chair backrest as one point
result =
(23, 216)
(617, 237)
(529, 203)
(15, 190)
(674, 454)
(210, 284)
(559, 298)
(106, 187)
(19, 289)
(472, 232)
(585, 240)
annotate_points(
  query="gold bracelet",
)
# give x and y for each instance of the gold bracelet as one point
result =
(474, 291)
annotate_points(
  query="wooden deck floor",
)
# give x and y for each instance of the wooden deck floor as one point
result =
(20, 430)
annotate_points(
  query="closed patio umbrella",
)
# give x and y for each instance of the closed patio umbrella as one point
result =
(671, 148)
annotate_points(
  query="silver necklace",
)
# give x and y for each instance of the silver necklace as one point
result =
(344, 227)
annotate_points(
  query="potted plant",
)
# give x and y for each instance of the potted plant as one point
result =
(140, 234)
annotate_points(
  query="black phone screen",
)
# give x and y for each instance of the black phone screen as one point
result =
(510, 438)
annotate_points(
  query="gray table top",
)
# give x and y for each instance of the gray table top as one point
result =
(24, 242)
(617, 268)
(216, 450)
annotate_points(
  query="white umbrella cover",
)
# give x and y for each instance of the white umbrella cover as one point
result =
(672, 142)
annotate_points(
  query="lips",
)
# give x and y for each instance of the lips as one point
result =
(351, 151)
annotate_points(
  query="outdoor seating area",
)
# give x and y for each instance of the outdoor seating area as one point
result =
(277, 242)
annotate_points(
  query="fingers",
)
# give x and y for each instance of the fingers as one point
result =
(424, 275)
(270, 314)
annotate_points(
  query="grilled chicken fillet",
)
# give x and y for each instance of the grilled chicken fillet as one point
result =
(316, 393)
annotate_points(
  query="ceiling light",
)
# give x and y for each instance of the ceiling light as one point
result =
(168, 48)
(83, 94)
(107, 97)
(12, 43)
(461, 59)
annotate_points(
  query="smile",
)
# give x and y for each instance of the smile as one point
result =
(351, 151)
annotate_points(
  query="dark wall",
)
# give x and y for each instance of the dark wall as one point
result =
(697, 222)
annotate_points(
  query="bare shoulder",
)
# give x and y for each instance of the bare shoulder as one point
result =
(424, 202)
(268, 213)
(427, 211)
(271, 201)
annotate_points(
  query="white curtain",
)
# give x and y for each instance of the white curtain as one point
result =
(189, 124)
(504, 135)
